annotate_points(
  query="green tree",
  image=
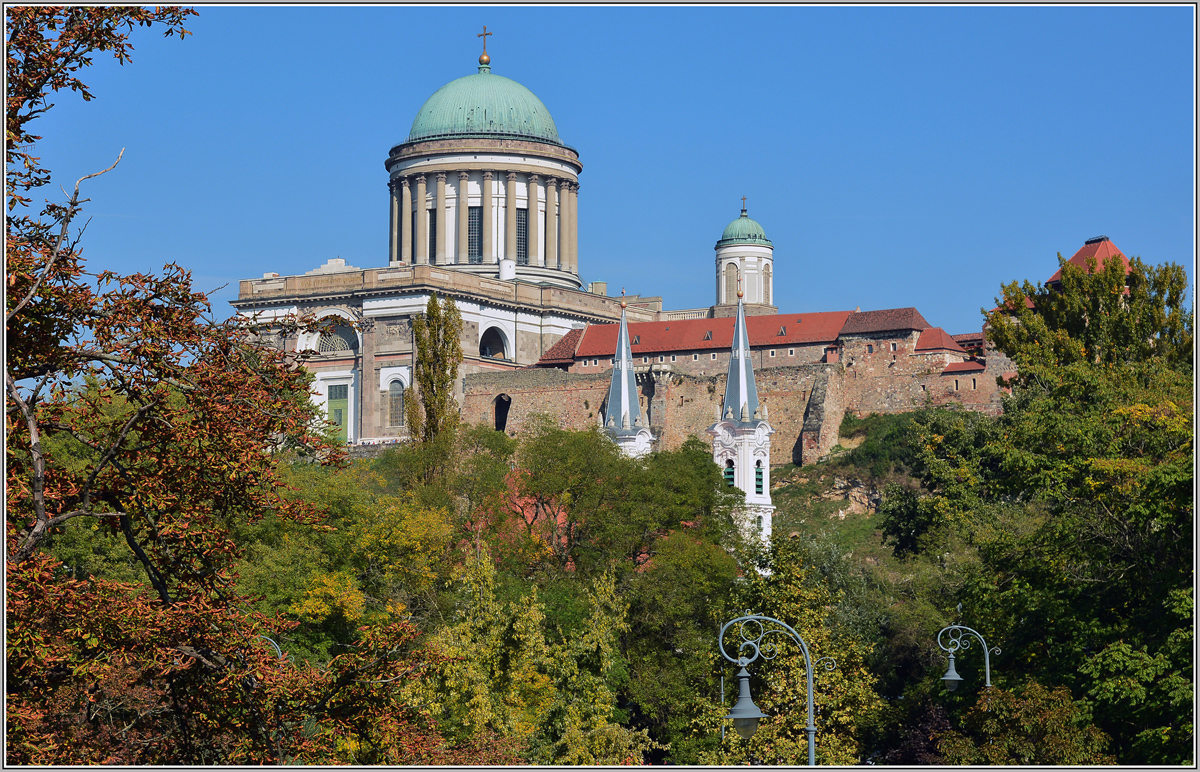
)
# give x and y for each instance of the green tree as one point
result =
(1099, 315)
(437, 339)
(1034, 725)
(1077, 504)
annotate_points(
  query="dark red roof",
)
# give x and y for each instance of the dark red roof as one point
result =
(563, 352)
(969, 338)
(936, 339)
(1101, 249)
(970, 366)
(600, 340)
(884, 321)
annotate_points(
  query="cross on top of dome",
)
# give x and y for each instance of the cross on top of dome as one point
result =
(484, 59)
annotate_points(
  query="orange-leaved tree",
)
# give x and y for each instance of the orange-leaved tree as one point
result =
(130, 411)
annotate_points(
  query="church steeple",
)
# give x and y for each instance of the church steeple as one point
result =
(741, 392)
(623, 412)
(742, 434)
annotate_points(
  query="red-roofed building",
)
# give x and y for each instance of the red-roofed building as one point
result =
(701, 346)
(1100, 249)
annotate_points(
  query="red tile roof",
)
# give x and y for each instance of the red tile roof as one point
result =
(884, 321)
(563, 352)
(936, 339)
(600, 340)
(970, 366)
(971, 338)
(1102, 250)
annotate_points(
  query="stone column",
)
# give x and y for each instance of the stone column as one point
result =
(394, 221)
(531, 237)
(575, 228)
(462, 216)
(564, 225)
(488, 257)
(422, 223)
(510, 216)
(405, 222)
(552, 223)
(439, 240)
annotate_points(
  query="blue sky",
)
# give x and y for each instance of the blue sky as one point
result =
(895, 156)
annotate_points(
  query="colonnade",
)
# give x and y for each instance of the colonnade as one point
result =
(561, 223)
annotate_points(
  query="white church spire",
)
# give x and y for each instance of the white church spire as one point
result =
(622, 414)
(741, 393)
(742, 435)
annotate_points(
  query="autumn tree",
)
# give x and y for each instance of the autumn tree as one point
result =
(131, 412)
(438, 353)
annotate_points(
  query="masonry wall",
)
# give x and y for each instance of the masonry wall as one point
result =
(679, 405)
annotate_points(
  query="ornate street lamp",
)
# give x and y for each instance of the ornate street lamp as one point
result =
(955, 641)
(752, 629)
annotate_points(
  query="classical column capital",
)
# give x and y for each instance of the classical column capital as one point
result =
(552, 182)
(420, 179)
(464, 175)
(487, 175)
(534, 177)
(441, 176)
(511, 176)
(404, 182)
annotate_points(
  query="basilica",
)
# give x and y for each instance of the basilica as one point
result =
(484, 201)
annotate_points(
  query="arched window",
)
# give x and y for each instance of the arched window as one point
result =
(396, 404)
(766, 295)
(492, 344)
(340, 338)
(502, 404)
(731, 277)
(758, 477)
(729, 473)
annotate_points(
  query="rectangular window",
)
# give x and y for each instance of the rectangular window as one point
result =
(645, 360)
(714, 356)
(791, 352)
(972, 384)
(583, 363)
(412, 232)
(772, 352)
(672, 357)
(922, 387)
(522, 237)
(870, 349)
(339, 392)
(661, 358)
(956, 384)
(475, 235)
(695, 357)
(432, 215)
(893, 347)
(595, 363)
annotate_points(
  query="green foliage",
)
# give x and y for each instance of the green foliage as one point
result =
(882, 449)
(1097, 316)
(437, 339)
(1034, 725)
(797, 593)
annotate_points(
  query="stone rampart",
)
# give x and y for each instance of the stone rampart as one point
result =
(679, 405)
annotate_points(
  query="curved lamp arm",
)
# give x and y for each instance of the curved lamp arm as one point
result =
(753, 630)
(955, 640)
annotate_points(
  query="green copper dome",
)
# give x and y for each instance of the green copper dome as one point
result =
(743, 230)
(484, 105)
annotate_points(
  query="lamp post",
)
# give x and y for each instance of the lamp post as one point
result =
(751, 630)
(955, 641)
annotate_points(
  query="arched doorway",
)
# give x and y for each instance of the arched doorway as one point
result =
(500, 408)
(492, 344)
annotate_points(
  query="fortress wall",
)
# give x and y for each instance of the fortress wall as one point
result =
(680, 406)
